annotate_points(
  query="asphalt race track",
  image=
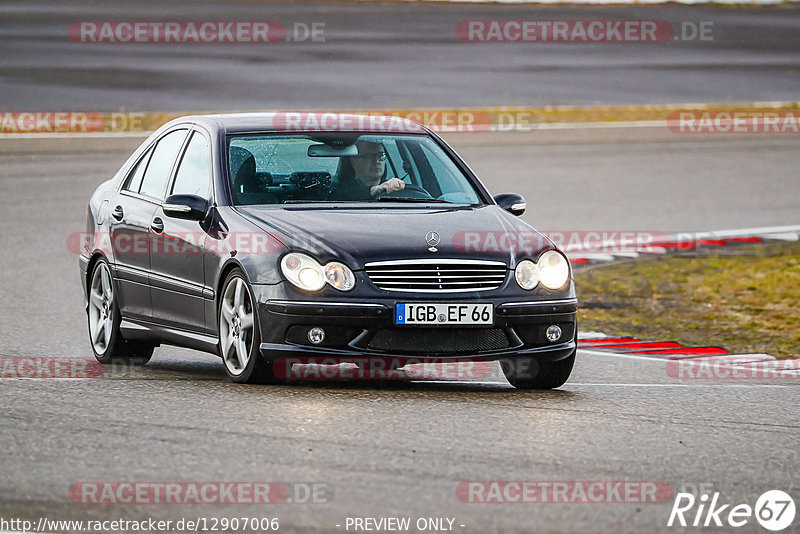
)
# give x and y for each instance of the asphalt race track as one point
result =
(396, 449)
(395, 55)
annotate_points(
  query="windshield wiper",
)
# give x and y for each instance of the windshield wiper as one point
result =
(412, 199)
(295, 201)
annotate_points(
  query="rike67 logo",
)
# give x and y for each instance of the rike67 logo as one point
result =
(774, 510)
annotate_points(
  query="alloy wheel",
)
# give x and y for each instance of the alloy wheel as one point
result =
(236, 326)
(101, 309)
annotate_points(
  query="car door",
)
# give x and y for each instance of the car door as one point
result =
(177, 283)
(131, 214)
(139, 197)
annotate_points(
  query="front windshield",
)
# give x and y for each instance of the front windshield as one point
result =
(339, 167)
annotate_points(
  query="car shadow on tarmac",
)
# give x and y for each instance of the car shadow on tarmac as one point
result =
(323, 379)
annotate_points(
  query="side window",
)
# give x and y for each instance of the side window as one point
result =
(194, 170)
(155, 179)
(134, 180)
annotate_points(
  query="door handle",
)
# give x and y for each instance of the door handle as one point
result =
(118, 214)
(157, 225)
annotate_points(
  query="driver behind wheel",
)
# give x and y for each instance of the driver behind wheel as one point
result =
(364, 176)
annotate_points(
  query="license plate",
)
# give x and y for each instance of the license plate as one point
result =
(444, 314)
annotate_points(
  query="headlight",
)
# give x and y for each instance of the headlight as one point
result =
(553, 269)
(304, 272)
(527, 274)
(340, 276)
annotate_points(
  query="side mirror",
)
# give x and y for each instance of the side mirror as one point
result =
(190, 207)
(511, 202)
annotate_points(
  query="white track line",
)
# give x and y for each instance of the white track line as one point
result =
(591, 335)
(620, 355)
(751, 386)
(789, 236)
(732, 356)
(746, 232)
(627, 2)
(617, 385)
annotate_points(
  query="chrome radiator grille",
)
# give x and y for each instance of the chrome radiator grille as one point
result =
(437, 276)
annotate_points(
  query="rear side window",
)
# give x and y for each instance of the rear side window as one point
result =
(157, 174)
(134, 181)
(194, 171)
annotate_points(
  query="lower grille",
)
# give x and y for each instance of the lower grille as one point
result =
(443, 340)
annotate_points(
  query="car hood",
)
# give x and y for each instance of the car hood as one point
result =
(358, 236)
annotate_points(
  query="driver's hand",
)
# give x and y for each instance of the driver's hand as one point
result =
(393, 184)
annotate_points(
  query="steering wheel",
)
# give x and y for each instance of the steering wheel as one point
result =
(410, 191)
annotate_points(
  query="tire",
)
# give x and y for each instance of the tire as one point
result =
(239, 334)
(104, 319)
(529, 373)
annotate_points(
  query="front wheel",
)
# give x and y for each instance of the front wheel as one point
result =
(529, 373)
(104, 316)
(239, 334)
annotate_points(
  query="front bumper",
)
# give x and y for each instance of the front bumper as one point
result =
(364, 328)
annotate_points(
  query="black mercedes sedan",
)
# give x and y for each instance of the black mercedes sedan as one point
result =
(273, 237)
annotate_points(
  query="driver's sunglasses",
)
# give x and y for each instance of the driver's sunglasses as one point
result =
(379, 156)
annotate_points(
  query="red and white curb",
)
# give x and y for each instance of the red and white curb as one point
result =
(618, 250)
(684, 362)
(697, 361)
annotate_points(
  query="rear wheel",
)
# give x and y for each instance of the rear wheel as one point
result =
(529, 373)
(104, 317)
(239, 334)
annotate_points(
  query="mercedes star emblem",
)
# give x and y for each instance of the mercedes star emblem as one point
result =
(432, 238)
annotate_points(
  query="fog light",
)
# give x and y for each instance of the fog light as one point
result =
(317, 335)
(553, 333)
